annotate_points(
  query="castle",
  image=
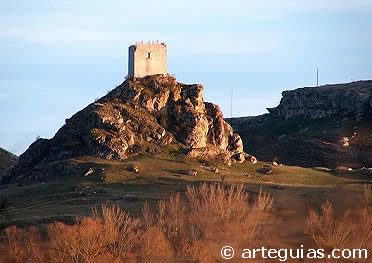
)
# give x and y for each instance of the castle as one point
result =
(147, 59)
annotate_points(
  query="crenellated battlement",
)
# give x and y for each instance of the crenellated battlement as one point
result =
(147, 59)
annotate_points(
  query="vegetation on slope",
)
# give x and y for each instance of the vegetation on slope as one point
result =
(309, 142)
(7, 161)
(192, 228)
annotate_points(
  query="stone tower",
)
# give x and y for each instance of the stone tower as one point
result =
(147, 59)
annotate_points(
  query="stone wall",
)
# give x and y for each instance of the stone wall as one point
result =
(147, 59)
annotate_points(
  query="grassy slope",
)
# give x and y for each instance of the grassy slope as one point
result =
(63, 198)
(7, 161)
(265, 143)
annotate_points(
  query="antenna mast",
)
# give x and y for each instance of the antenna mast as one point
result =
(231, 102)
(317, 77)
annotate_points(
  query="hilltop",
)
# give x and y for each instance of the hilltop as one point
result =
(7, 161)
(328, 126)
(141, 116)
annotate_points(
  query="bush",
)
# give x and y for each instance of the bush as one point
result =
(22, 246)
(82, 242)
(225, 213)
(351, 229)
(121, 232)
(179, 228)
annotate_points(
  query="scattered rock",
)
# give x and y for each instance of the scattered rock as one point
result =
(265, 170)
(134, 169)
(250, 158)
(342, 168)
(239, 157)
(253, 159)
(344, 142)
(192, 173)
(274, 163)
(89, 172)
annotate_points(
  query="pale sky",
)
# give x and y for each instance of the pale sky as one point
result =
(57, 56)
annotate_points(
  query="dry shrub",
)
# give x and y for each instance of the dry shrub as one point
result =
(120, 231)
(182, 229)
(155, 247)
(22, 245)
(213, 213)
(109, 235)
(81, 242)
(327, 230)
(172, 220)
(225, 214)
(107, 258)
(200, 252)
(175, 219)
(352, 229)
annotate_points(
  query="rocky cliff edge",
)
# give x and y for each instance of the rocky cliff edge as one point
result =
(349, 99)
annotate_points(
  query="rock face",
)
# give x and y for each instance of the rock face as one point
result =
(353, 98)
(7, 161)
(140, 115)
(326, 126)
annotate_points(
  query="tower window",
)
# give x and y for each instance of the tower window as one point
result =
(148, 54)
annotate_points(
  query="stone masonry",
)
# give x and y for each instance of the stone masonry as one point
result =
(146, 59)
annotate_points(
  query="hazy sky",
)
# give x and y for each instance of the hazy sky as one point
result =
(57, 56)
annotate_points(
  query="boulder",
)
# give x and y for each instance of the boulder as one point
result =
(344, 142)
(250, 158)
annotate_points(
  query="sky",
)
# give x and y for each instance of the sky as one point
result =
(57, 56)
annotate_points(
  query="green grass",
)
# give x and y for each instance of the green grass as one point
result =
(63, 197)
(171, 164)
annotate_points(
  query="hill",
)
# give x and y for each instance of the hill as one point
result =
(144, 141)
(141, 116)
(7, 161)
(328, 126)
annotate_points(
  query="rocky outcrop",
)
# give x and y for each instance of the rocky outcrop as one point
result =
(326, 126)
(350, 99)
(140, 115)
(7, 161)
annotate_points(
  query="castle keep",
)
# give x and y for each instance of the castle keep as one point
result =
(147, 59)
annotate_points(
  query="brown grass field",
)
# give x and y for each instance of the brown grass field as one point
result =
(162, 214)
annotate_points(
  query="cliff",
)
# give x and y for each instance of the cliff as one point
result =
(327, 126)
(350, 99)
(142, 115)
